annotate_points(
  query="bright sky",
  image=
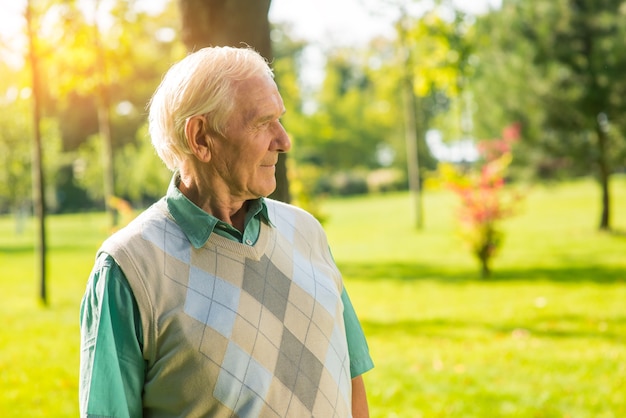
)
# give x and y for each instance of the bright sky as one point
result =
(324, 21)
(332, 22)
(11, 23)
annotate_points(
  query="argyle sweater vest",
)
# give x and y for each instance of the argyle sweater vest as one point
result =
(232, 330)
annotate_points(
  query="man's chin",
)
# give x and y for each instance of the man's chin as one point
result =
(264, 191)
(269, 190)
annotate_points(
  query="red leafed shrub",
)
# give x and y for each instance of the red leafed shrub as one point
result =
(485, 199)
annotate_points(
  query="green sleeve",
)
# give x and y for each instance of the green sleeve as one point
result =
(360, 360)
(112, 367)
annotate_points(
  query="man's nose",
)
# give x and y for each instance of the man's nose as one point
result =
(283, 143)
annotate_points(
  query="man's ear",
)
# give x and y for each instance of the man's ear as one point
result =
(197, 137)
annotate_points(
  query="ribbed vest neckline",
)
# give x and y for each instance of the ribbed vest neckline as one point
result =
(254, 251)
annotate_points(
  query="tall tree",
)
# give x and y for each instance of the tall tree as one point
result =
(235, 23)
(590, 84)
(37, 163)
(563, 81)
(413, 122)
(134, 48)
(433, 62)
(104, 119)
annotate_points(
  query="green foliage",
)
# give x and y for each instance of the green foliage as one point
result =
(121, 62)
(558, 67)
(438, 63)
(15, 177)
(343, 183)
(554, 66)
(337, 134)
(287, 67)
(565, 85)
(16, 144)
(347, 125)
(88, 168)
(386, 180)
(358, 108)
(504, 87)
(303, 179)
(140, 175)
(143, 176)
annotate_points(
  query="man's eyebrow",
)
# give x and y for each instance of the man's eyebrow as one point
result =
(272, 116)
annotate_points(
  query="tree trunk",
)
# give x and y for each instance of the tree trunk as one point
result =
(603, 178)
(237, 23)
(39, 202)
(485, 271)
(104, 124)
(412, 125)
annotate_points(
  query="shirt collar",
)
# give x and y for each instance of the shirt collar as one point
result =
(198, 225)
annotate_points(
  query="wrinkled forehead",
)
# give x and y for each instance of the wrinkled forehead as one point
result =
(256, 97)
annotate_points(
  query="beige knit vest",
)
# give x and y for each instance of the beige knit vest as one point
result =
(232, 330)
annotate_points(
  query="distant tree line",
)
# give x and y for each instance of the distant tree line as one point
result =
(554, 67)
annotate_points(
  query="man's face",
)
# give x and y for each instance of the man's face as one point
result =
(245, 158)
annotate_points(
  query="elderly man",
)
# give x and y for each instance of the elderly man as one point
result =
(217, 301)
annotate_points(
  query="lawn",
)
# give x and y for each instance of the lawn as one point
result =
(544, 337)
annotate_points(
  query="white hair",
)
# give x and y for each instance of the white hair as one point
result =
(200, 84)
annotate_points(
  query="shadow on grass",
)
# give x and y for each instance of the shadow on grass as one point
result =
(571, 327)
(26, 249)
(415, 272)
(619, 233)
(16, 249)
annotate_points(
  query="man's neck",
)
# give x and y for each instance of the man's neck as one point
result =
(210, 200)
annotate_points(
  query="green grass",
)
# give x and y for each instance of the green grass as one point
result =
(39, 345)
(543, 337)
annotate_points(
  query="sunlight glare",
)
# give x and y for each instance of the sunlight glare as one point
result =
(12, 39)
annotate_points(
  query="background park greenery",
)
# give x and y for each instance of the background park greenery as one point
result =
(554, 67)
(543, 337)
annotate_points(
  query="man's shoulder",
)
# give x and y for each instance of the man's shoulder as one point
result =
(280, 210)
(292, 221)
(154, 217)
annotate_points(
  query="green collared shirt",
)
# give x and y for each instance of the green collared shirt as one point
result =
(112, 367)
(198, 225)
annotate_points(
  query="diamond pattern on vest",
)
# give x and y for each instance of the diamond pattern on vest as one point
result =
(238, 367)
(273, 334)
(268, 285)
(211, 300)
